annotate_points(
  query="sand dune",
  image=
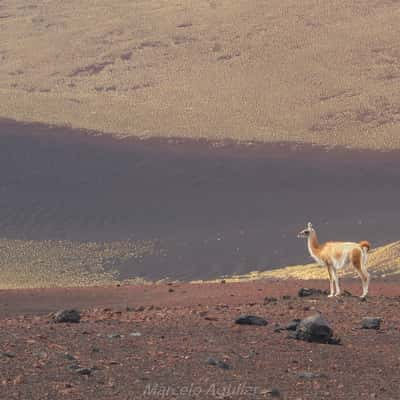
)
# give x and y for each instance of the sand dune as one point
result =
(320, 72)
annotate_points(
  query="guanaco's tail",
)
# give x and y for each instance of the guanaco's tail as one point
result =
(364, 244)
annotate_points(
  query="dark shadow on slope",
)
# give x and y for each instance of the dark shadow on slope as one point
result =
(213, 209)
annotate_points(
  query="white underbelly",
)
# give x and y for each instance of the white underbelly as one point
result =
(341, 262)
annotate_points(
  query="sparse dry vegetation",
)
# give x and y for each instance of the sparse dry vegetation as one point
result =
(30, 264)
(326, 73)
(50, 263)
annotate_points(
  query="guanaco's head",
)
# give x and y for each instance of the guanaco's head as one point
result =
(305, 233)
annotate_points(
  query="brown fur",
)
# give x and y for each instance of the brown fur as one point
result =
(328, 249)
(355, 258)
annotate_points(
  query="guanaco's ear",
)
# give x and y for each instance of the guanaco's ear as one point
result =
(309, 225)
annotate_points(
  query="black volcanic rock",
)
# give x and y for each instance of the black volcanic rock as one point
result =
(305, 292)
(251, 320)
(371, 323)
(63, 316)
(292, 325)
(315, 329)
(217, 363)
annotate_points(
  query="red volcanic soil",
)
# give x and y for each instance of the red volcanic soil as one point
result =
(154, 341)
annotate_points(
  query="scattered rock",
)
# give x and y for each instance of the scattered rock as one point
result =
(315, 329)
(371, 323)
(62, 316)
(114, 336)
(269, 299)
(203, 313)
(346, 293)
(218, 363)
(223, 281)
(310, 375)
(274, 393)
(292, 325)
(286, 297)
(69, 357)
(184, 25)
(305, 292)
(126, 56)
(7, 354)
(83, 371)
(171, 290)
(250, 320)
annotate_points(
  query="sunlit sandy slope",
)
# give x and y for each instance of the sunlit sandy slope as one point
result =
(384, 261)
(29, 264)
(326, 72)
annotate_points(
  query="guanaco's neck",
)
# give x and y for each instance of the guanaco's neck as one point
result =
(313, 244)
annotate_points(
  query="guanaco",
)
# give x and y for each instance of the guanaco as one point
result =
(335, 255)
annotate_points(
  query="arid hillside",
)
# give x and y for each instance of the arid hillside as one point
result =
(321, 72)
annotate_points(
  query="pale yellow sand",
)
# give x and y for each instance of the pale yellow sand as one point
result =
(62, 263)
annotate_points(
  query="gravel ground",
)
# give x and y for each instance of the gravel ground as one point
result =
(161, 341)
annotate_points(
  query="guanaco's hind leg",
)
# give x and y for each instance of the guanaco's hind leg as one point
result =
(364, 260)
(359, 260)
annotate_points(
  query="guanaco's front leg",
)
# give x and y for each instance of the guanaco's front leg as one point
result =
(336, 279)
(332, 289)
